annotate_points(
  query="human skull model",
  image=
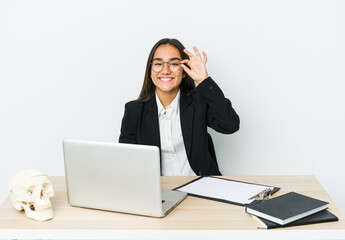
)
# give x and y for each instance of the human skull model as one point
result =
(30, 190)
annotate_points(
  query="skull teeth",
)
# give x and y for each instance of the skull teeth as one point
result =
(42, 215)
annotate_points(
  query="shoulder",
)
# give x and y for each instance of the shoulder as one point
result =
(133, 108)
(132, 112)
(135, 104)
(136, 107)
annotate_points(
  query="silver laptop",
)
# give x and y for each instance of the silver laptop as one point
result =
(117, 177)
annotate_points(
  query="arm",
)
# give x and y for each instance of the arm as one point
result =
(220, 114)
(127, 134)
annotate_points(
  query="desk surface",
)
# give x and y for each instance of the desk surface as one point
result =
(192, 214)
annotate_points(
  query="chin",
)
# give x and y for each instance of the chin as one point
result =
(168, 89)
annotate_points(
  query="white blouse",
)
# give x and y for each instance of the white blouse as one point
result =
(173, 153)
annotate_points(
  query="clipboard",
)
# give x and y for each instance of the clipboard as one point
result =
(226, 190)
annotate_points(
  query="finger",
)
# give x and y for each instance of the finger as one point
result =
(190, 55)
(197, 53)
(186, 61)
(187, 70)
(205, 56)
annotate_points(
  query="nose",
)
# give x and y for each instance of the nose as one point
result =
(166, 68)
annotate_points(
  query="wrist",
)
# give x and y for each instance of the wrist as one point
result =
(200, 80)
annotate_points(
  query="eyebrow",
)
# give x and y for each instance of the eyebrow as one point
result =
(171, 59)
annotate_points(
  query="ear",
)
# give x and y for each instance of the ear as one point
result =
(184, 74)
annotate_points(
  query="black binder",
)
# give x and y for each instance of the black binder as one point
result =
(286, 208)
(320, 217)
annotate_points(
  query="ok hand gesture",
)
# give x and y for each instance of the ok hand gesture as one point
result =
(197, 66)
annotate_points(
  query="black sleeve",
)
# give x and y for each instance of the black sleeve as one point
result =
(127, 134)
(220, 115)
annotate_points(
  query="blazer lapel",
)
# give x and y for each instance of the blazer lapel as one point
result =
(186, 115)
(150, 122)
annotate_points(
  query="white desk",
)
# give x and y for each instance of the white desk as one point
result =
(194, 218)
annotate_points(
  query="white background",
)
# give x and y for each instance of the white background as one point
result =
(68, 67)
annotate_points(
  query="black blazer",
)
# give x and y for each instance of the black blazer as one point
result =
(206, 107)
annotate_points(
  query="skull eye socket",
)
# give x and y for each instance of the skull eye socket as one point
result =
(42, 193)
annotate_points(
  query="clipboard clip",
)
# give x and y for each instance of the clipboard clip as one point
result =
(263, 195)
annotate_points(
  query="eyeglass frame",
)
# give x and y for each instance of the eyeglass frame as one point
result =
(173, 59)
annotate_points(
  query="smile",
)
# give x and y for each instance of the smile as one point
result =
(165, 79)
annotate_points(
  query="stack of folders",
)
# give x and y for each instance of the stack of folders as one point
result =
(290, 209)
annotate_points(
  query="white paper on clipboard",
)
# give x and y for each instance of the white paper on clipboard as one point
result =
(224, 189)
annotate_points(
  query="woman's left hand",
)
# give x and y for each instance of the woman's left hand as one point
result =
(197, 66)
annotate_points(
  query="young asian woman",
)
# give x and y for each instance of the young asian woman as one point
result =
(173, 113)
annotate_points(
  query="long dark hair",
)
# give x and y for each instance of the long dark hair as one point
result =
(187, 85)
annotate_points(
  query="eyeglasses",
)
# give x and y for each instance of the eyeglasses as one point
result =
(174, 65)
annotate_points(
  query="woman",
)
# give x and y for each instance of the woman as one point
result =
(173, 114)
